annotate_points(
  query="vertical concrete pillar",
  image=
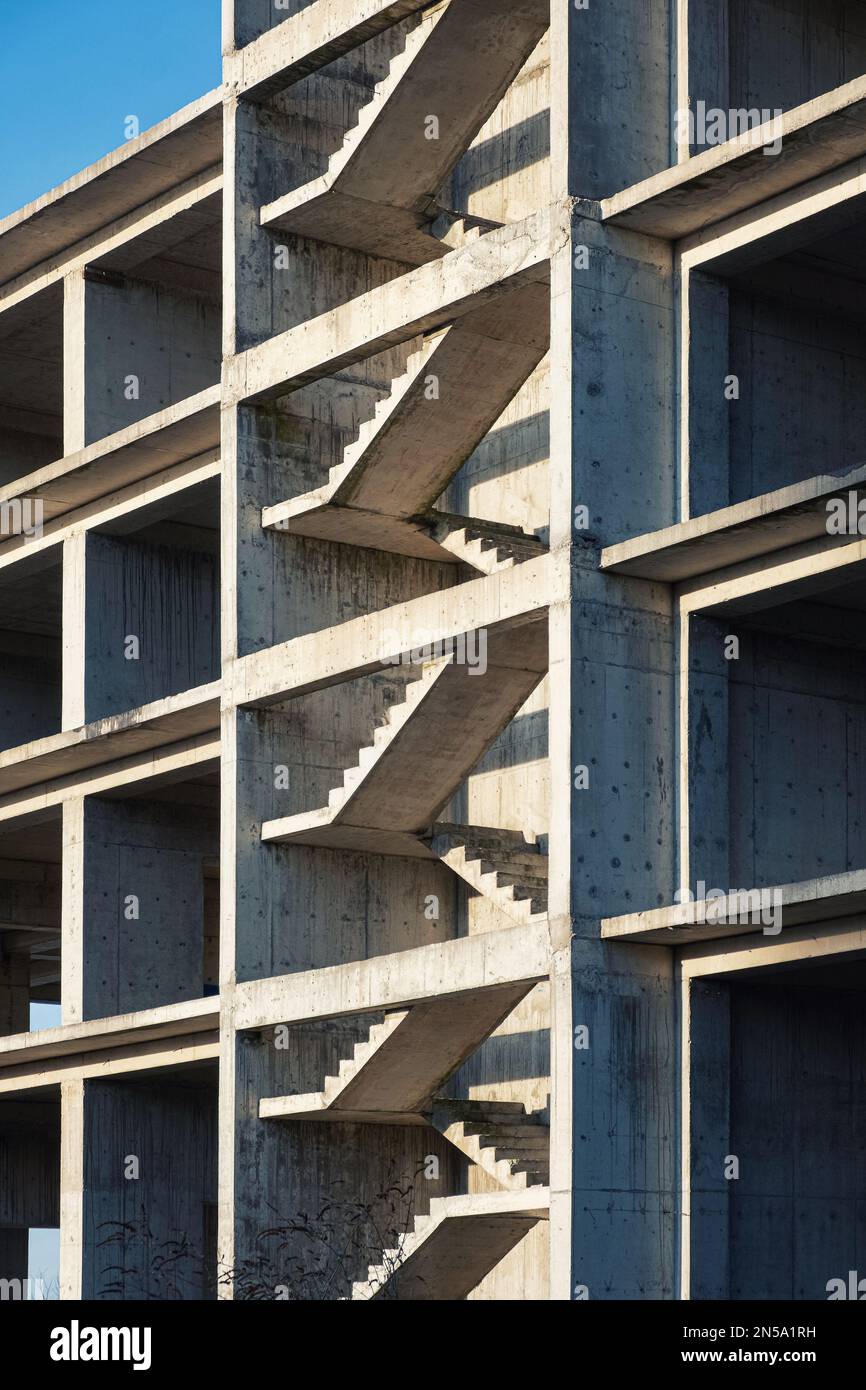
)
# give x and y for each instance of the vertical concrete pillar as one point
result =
(75, 630)
(74, 418)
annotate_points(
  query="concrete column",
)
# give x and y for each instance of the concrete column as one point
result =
(133, 930)
(74, 357)
(613, 772)
(75, 630)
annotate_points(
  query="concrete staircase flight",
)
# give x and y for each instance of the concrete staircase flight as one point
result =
(505, 866)
(406, 1058)
(448, 1252)
(509, 1143)
(427, 746)
(456, 385)
(379, 192)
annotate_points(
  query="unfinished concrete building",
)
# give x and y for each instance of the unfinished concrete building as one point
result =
(417, 460)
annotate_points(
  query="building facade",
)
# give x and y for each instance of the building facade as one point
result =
(450, 870)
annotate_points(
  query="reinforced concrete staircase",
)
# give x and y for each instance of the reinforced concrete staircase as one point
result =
(455, 387)
(505, 866)
(448, 1252)
(486, 546)
(405, 1060)
(427, 746)
(507, 1141)
(379, 191)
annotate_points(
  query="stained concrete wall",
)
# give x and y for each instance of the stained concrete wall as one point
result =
(798, 735)
(775, 1066)
(322, 1179)
(150, 1235)
(165, 597)
(169, 341)
(134, 920)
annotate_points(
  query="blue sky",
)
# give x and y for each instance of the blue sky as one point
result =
(71, 71)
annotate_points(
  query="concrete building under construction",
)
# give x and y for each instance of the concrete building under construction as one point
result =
(433, 771)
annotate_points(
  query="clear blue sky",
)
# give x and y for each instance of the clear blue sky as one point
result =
(71, 71)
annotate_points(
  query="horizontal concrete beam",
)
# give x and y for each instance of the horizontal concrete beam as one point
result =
(811, 902)
(415, 303)
(182, 1051)
(131, 507)
(73, 751)
(844, 936)
(127, 242)
(731, 535)
(363, 645)
(726, 179)
(309, 40)
(159, 159)
(154, 767)
(120, 1030)
(182, 431)
(394, 981)
(801, 571)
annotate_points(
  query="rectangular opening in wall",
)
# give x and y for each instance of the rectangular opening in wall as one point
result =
(31, 384)
(153, 592)
(778, 361)
(30, 910)
(150, 894)
(30, 648)
(777, 1058)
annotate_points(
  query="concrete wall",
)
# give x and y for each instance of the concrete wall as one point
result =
(167, 598)
(167, 340)
(134, 918)
(798, 731)
(320, 1181)
(775, 1066)
(148, 1236)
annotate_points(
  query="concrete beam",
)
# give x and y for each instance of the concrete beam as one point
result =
(815, 901)
(418, 302)
(308, 41)
(732, 535)
(186, 144)
(155, 767)
(395, 981)
(362, 645)
(171, 436)
(732, 177)
(74, 751)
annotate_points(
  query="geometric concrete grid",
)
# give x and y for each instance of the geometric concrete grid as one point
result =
(416, 587)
